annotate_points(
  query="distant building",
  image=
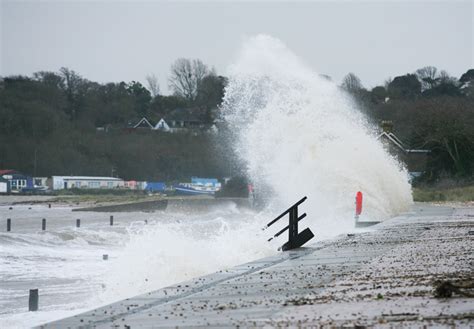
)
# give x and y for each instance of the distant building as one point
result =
(162, 125)
(4, 186)
(185, 119)
(130, 184)
(414, 159)
(40, 181)
(141, 185)
(85, 182)
(155, 187)
(143, 123)
(209, 182)
(135, 185)
(16, 181)
(178, 120)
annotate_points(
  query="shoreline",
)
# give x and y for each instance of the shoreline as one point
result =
(82, 200)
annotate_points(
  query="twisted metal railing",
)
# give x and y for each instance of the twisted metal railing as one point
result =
(295, 239)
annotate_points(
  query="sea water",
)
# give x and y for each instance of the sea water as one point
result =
(146, 251)
(296, 134)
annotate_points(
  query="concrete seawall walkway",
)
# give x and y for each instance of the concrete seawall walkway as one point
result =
(380, 278)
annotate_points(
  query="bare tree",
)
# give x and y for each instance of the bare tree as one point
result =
(186, 77)
(153, 86)
(351, 83)
(428, 77)
(445, 77)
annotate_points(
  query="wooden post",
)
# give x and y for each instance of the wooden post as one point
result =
(49, 205)
(111, 220)
(9, 224)
(33, 300)
(43, 224)
(78, 222)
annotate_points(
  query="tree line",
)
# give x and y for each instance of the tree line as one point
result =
(49, 122)
(430, 110)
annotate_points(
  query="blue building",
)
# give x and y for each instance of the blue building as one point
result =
(155, 187)
(210, 182)
(16, 181)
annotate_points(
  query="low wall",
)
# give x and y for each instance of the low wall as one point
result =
(145, 206)
(186, 204)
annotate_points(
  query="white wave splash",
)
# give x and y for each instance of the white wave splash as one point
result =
(299, 134)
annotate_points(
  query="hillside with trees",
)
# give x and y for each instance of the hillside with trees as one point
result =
(430, 110)
(50, 122)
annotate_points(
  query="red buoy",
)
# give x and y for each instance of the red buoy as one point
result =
(358, 203)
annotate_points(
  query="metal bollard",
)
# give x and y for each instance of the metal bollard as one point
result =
(111, 220)
(105, 257)
(33, 300)
(43, 224)
(78, 222)
(9, 224)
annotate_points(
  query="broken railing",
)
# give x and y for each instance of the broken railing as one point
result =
(295, 239)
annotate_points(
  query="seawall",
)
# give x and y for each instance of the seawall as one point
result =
(184, 204)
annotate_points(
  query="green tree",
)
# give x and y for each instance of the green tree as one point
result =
(404, 87)
(141, 97)
(211, 91)
(378, 94)
(444, 125)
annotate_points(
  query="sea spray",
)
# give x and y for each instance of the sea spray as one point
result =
(65, 261)
(299, 134)
(185, 246)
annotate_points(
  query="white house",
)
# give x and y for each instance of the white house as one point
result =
(162, 125)
(85, 182)
(414, 159)
(143, 123)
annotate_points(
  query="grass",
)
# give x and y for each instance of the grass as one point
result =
(456, 194)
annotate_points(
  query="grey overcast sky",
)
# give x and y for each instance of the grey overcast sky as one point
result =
(126, 40)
